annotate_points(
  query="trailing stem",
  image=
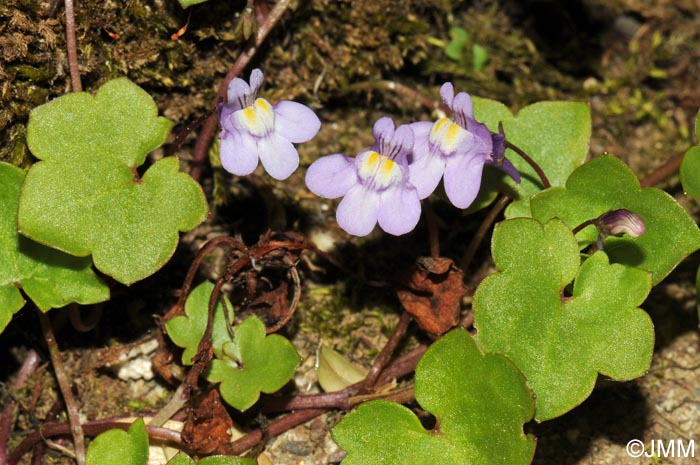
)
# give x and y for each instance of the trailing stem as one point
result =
(543, 177)
(71, 45)
(65, 386)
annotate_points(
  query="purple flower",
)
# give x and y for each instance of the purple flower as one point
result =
(374, 185)
(456, 148)
(253, 128)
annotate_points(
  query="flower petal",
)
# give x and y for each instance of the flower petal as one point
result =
(256, 79)
(425, 174)
(295, 122)
(331, 176)
(421, 137)
(462, 104)
(463, 179)
(383, 130)
(278, 156)
(357, 212)
(510, 169)
(239, 152)
(447, 92)
(399, 210)
(239, 94)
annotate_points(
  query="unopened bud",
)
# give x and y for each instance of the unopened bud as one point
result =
(619, 222)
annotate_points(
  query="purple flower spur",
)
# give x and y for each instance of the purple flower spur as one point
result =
(456, 148)
(374, 185)
(253, 128)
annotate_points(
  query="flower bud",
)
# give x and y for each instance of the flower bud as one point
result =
(618, 222)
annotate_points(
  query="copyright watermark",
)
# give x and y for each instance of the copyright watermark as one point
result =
(670, 448)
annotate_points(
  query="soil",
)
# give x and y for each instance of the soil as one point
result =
(635, 61)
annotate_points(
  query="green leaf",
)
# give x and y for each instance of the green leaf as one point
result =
(253, 363)
(86, 197)
(554, 134)
(562, 342)
(455, 49)
(605, 183)
(187, 331)
(480, 401)
(50, 278)
(690, 167)
(184, 459)
(118, 447)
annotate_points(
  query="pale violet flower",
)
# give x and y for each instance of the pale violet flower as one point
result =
(455, 147)
(253, 129)
(374, 185)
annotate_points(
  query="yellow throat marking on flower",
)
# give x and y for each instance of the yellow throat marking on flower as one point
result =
(447, 135)
(382, 170)
(258, 118)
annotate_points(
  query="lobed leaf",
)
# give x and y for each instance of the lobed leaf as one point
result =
(187, 331)
(253, 363)
(555, 134)
(119, 447)
(86, 196)
(480, 401)
(562, 342)
(605, 183)
(50, 278)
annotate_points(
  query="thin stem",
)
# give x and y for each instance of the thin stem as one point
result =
(204, 139)
(72, 46)
(275, 427)
(91, 428)
(531, 162)
(31, 362)
(433, 235)
(664, 171)
(583, 225)
(65, 386)
(341, 400)
(481, 232)
(201, 361)
(388, 349)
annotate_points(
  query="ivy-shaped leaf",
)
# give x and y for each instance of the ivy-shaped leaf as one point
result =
(86, 195)
(253, 363)
(605, 183)
(480, 402)
(50, 278)
(690, 167)
(119, 447)
(555, 134)
(562, 342)
(184, 459)
(187, 331)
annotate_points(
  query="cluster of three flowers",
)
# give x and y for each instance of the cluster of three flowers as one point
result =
(384, 184)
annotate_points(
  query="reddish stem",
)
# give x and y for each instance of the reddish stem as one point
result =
(481, 232)
(388, 349)
(664, 171)
(65, 386)
(91, 428)
(72, 47)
